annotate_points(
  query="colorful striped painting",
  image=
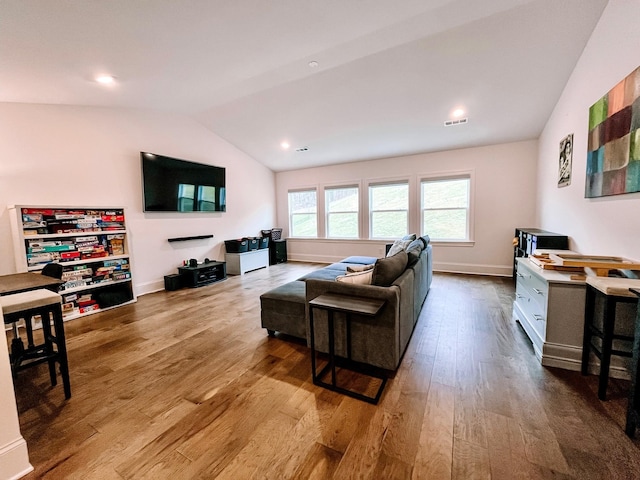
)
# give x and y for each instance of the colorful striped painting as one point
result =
(613, 153)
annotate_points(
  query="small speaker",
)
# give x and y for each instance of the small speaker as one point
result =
(193, 262)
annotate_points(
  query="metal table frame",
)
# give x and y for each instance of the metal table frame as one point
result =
(331, 303)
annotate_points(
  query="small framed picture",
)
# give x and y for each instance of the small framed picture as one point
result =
(564, 162)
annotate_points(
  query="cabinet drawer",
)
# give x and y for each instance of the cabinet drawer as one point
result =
(532, 302)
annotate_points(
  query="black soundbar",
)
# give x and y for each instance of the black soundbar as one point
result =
(184, 239)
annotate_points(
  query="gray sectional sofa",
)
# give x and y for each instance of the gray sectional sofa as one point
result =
(402, 280)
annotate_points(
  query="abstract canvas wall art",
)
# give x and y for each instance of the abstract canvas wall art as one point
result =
(613, 153)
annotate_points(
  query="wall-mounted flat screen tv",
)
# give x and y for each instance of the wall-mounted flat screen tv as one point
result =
(174, 185)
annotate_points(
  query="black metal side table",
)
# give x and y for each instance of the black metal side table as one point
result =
(331, 303)
(633, 409)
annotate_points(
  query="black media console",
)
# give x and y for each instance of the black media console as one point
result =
(203, 274)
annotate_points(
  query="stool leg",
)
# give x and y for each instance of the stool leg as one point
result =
(609, 321)
(17, 349)
(590, 301)
(633, 408)
(48, 346)
(28, 326)
(61, 342)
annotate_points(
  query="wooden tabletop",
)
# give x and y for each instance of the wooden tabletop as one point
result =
(619, 287)
(23, 282)
(347, 303)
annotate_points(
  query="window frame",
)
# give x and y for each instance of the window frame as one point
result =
(290, 214)
(382, 183)
(439, 177)
(326, 189)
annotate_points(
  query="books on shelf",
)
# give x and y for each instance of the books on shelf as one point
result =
(52, 221)
(89, 244)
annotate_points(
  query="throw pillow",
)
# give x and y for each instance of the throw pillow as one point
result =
(386, 270)
(414, 249)
(359, 268)
(362, 278)
(398, 246)
(411, 237)
(425, 240)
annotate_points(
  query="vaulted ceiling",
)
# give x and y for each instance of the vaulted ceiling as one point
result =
(387, 74)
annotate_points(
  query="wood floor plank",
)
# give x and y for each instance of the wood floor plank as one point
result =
(320, 464)
(470, 461)
(435, 454)
(186, 384)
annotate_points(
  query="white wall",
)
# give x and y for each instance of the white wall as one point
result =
(85, 156)
(14, 458)
(504, 198)
(607, 225)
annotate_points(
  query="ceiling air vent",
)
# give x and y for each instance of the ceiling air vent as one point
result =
(451, 123)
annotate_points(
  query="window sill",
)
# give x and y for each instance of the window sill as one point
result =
(462, 243)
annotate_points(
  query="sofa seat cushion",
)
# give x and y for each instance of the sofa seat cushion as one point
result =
(283, 309)
(323, 274)
(361, 260)
(342, 266)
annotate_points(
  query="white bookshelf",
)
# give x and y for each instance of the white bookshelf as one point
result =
(91, 244)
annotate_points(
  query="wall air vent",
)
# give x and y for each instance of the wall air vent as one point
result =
(451, 123)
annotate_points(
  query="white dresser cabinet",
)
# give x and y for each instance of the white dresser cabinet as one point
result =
(550, 308)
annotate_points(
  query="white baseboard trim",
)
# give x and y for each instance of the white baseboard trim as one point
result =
(308, 257)
(464, 268)
(474, 269)
(566, 357)
(14, 460)
(569, 357)
(149, 287)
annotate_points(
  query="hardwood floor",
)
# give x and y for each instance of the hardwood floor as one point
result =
(186, 385)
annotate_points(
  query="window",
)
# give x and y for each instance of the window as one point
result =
(446, 208)
(303, 214)
(342, 212)
(185, 197)
(389, 210)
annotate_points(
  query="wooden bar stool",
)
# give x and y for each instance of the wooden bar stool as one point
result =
(613, 291)
(48, 305)
(633, 408)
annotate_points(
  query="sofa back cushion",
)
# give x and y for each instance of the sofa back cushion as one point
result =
(387, 269)
(397, 246)
(414, 249)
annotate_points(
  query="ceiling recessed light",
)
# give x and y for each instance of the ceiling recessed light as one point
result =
(285, 145)
(313, 64)
(105, 79)
(458, 112)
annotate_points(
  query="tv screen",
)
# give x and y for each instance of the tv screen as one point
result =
(174, 185)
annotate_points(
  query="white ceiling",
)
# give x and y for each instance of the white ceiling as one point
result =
(390, 71)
